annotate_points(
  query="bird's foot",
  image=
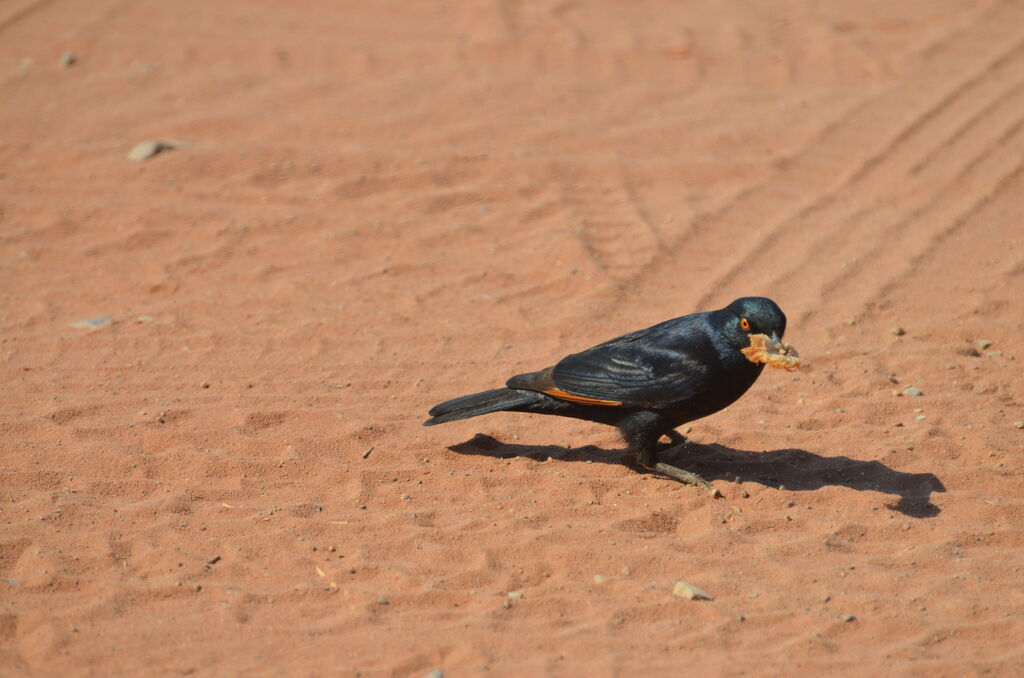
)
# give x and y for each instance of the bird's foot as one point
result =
(647, 457)
(675, 437)
(687, 478)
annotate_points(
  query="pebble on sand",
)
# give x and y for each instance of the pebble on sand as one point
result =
(690, 592)
(913, 391)
(984, 343)
(93, 323)
(68, 59)
(144, 150)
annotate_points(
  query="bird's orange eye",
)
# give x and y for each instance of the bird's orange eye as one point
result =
(744, 323)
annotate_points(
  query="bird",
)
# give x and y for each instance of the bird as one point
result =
(646, 383)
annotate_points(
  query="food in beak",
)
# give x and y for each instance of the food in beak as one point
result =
(777, 354)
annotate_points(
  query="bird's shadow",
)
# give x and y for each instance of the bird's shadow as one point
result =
(793, 469)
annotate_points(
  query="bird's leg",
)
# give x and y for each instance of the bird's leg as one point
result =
(686, 477)
(642, 432)
(646, 457)
(675, 440)
(675, 437)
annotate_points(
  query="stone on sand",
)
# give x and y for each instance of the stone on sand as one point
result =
(144, 150)
(683, 589)
(93, 323)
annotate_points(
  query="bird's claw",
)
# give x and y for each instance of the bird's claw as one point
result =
(675, 438)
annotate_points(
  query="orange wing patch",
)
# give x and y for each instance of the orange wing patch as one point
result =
(583, 400)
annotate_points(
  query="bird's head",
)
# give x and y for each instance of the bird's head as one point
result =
(753, 315)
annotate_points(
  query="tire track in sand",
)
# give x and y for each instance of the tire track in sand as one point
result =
(821, 181)
(613, 226)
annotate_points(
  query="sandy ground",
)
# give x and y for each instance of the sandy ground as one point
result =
(382, 205)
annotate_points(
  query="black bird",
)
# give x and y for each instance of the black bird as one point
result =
(646, 383)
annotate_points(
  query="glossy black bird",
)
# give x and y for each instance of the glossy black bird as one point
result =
(646, 383)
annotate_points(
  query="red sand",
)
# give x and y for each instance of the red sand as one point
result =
(384, 205)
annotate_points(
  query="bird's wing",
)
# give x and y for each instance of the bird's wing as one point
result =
(629, 374)
(635, 374)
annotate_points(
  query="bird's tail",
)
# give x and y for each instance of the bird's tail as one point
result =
(476, 404)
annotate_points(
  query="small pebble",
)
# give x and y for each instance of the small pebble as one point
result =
(684, 590)
(626, 571)
(1019, 424)
(984, 343)
(436, 673)
(599, 578)
(515, 594)
(898, 331)
(383, 601)
(913, 391)
(93, 323)
(849, 618)
(144, 150)
(68, 59)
